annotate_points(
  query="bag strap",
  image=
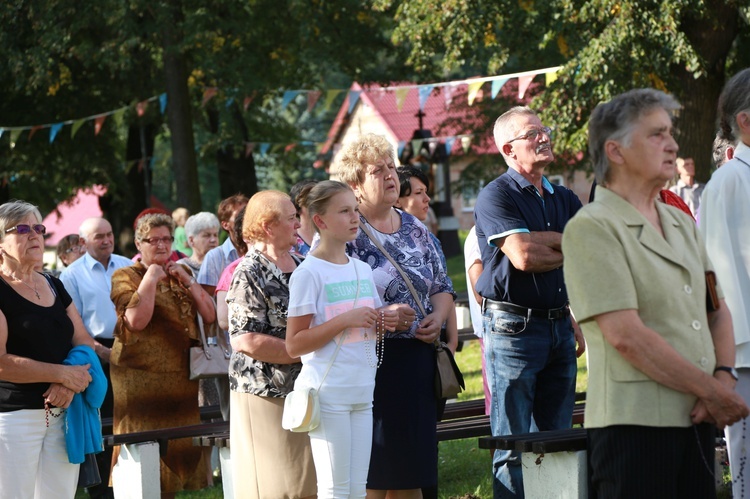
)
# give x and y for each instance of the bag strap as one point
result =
(341, 340)
(404, 276)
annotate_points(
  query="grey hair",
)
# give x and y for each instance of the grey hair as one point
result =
(13, 212)
(719, 149)
(351, 161)
(503, 130)
(152, 220)
(617, 119)
(734, 99)
(199, 222)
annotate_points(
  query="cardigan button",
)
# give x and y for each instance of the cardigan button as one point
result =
(688, 289)
(696, 325)
(704, 361)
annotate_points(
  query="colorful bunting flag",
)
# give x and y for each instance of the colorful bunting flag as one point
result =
(497, 85)
(229, 102)
(209, 94)
(264, 147)
(15, 133)
(34, 129)
(76, 125)
(474, 87)
(449, 145)
(163, 102)
(99, 123)
(249, 149)
(289, 96)
(330, 96)
(449, 90)
(401, 147)
(53, 131)
(312, 99)
(416, 146)
(424, 93)
(523, 84)
(550, 77)
(246, 102)
(141, 107)
(353, 98)
(401, 94)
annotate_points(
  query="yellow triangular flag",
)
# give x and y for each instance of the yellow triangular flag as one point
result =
(74, 129)
(401, 94)
(15, 133)
(330, 96)
(473, 89)
(550, 77)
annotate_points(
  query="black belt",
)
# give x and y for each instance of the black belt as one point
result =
(541, 313)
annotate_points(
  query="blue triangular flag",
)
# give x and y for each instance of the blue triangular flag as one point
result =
(424, 93)
(289, 96)
(401, 145)
(53, 131)
(353, 98)
(449, 145)
(163, 102)
(497, 85)
(264, 147)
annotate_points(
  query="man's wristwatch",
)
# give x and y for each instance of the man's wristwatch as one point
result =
(731, 370)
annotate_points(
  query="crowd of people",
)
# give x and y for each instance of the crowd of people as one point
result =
(342, 288)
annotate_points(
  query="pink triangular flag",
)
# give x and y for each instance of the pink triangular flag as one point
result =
(249, 149)
(209, 94)
(523, 84)
(34, 129)
(312, 99)
(140, 108)
(99, 123)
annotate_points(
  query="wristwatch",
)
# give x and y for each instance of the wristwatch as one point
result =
(731, 370)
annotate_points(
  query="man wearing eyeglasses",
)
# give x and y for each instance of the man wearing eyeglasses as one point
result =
(530, 337)
(88, 280)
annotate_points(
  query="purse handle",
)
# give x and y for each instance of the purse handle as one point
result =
(404, 276)
(341, 340)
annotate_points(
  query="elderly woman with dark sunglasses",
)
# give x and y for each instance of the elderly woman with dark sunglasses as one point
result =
(39, 326)
(156, 301)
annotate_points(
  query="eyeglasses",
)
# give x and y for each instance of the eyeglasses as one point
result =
(155, 241)
(533, 134)
(72, 249)
(22, 229)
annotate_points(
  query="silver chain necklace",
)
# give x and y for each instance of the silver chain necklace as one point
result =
(34, 289)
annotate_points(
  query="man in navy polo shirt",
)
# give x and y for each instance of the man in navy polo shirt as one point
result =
(530, 337)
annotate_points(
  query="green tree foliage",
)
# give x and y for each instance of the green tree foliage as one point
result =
(685, 47)
(64, 59)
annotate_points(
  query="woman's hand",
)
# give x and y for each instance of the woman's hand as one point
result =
(364, 317)
(75, 378)
(155, 273)
(388, 318)
(723, 406)
(429, 329)
(178, 272)
(58, 396)
(405, 315)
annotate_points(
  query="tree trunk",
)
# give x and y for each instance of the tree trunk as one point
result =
(712, 37)
(236, 169)
(179, 113)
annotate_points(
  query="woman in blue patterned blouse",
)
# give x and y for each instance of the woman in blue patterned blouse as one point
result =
(404, 450)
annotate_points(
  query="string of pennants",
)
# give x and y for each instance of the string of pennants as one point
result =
(313, 97)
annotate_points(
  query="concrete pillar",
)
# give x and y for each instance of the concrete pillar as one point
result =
(563, 475)
(136, 474)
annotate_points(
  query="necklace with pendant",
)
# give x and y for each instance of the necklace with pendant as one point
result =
(38, 297)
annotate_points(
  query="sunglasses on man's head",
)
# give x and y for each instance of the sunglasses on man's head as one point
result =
(25, 229)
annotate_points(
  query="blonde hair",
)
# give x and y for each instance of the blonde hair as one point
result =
(263, 208)
(355, 156)
(13, 212)
(320, 196)
(180, 216)
(151, 221)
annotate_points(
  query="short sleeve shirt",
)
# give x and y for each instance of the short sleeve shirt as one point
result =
(510, 204)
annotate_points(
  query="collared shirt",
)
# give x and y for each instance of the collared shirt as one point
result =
(725, 225)
(89, 284)
(691, 194)
(616, 260)
(510, 204)
(215, 262)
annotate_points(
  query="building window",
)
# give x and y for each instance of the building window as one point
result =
(469, 196)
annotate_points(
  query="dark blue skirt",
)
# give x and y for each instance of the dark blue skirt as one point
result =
(404, 440)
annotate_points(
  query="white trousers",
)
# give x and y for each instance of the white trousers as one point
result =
(737, 443)
(33, 460)
(341, 448)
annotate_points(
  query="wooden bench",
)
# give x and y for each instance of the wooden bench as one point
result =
(553, 462)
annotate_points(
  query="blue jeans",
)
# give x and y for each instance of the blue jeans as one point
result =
(531, 371)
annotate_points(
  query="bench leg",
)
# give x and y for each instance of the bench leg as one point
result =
(136, 474)
(559, 474)
(227, 481)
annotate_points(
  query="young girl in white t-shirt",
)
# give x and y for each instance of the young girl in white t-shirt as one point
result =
(332, 298)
